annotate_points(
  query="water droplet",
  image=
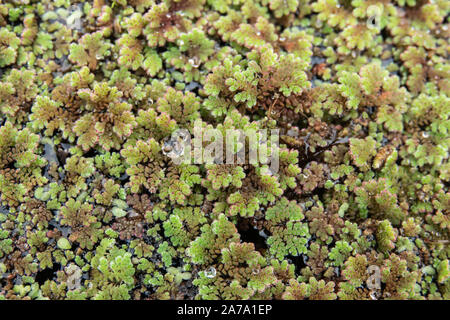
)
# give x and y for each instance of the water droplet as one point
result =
(210, 273)
(282, 39)
(258, 33)
(425, 134)
(255, 271)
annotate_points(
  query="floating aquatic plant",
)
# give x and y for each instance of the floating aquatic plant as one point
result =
(99, 100)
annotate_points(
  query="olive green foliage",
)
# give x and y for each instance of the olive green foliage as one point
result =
(94, 205)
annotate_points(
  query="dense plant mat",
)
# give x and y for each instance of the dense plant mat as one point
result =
(94, 207)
